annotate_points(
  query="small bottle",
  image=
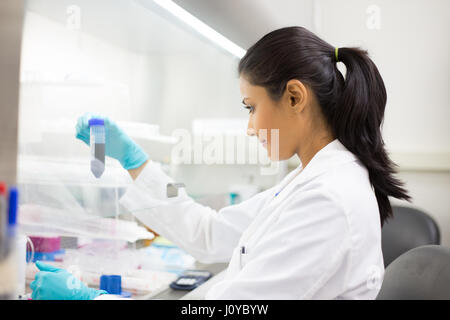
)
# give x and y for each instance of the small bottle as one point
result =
(97, 128)
(8, 259)
(111, 284)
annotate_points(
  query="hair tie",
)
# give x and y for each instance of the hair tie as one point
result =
(336, 54)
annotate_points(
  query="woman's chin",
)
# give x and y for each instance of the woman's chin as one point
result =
(272, 157)
(277, 156)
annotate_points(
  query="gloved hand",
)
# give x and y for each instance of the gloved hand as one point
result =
(118, 144)
(53, 283)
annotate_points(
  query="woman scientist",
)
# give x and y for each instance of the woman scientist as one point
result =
(315, 235)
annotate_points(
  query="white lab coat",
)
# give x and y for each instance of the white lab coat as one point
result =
(320, 238)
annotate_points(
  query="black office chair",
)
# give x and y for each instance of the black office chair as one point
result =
(408, 229)
(420, 273)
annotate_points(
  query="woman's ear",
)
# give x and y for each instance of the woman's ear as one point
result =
(297, 95)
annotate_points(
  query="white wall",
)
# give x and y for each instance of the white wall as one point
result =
(411, 49)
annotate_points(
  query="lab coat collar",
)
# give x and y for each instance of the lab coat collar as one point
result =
(328, 158)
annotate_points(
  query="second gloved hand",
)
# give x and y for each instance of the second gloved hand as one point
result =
(53, 283)
(118, 144)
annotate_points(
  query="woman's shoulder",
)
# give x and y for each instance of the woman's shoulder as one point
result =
(347, 178)
(346, 186)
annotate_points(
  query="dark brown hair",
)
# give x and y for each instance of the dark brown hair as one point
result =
(353, 107)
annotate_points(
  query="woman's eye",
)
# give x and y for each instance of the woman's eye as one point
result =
(250, 109)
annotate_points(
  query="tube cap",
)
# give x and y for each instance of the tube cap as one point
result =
(96, 122)
(111, 284)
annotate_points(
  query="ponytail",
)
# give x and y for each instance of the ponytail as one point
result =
(353, 107)
(357, 121)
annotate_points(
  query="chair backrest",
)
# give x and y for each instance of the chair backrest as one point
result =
(421, 273)
(408, 229)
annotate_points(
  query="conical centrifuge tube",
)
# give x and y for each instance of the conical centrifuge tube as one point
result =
(97, 128)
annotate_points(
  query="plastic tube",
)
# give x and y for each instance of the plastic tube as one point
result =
(97, 128)
(21, 256)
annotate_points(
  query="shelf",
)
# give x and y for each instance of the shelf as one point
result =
(49, 171)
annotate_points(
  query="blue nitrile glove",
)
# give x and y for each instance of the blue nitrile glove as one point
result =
(53, 283)
(118, 144)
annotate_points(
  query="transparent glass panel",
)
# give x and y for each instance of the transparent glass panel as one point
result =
(135, 63)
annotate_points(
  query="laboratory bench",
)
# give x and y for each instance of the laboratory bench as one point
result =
(218, 271)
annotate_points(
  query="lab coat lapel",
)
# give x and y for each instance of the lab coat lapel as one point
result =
(332, 155)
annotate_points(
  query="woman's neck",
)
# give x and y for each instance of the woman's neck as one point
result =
(309, 148)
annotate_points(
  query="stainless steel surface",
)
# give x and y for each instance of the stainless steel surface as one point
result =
(11, 23)
(171, 294)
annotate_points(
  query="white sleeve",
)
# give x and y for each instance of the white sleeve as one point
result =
(306, 247)
(206, 234)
